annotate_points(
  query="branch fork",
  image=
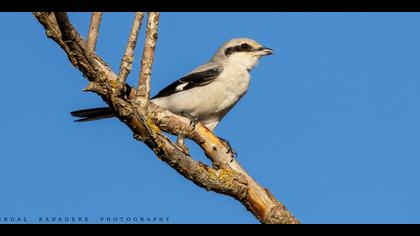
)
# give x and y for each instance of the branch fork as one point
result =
(147, 120)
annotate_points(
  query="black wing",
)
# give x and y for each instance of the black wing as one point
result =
(192, 80)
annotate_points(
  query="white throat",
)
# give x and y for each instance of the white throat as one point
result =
(241, 61)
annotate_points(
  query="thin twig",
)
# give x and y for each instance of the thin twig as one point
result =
(148, 54)
(95, 23)
(127, 60)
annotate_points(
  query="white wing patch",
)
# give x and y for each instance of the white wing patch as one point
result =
(181, 87)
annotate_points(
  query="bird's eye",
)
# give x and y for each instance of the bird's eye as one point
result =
(245, 46)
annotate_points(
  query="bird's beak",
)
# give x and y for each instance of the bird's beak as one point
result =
(265, 51)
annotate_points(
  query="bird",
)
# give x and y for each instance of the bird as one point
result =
(208, 92)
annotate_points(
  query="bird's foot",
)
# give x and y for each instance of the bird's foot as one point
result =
(233, 153)
(180, 143)
(193, 119)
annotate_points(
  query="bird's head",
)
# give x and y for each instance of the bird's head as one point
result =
(241, 52)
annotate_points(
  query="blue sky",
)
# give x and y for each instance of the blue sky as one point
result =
(330, 124)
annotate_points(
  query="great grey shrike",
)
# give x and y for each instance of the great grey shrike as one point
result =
(208, 92)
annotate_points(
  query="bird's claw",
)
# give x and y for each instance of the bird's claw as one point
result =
(184, 149)
(180, 143)
(193, 119)
(233, 153)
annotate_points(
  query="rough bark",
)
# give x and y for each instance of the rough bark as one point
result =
(127, 60)
(95, 22)
(148, 54)
(148, 121)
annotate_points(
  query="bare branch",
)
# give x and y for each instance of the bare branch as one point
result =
(258, 199)
(148, 54)
(127, 60)
(77, 51)
(147, 121)
(95, 23)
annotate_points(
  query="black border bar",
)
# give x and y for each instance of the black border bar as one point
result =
(208, 5)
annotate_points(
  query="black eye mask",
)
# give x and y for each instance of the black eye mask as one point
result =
(240, 48)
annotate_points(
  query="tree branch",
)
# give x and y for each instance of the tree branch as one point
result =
(147, 121)
(127, 60)
(95, 22)
(75, 47)
(148, 54)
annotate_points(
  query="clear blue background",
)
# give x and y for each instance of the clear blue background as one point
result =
(330, 124)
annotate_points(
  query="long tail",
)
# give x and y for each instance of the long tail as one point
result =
(93, 114)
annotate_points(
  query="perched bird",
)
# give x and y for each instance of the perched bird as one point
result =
(210, 91)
